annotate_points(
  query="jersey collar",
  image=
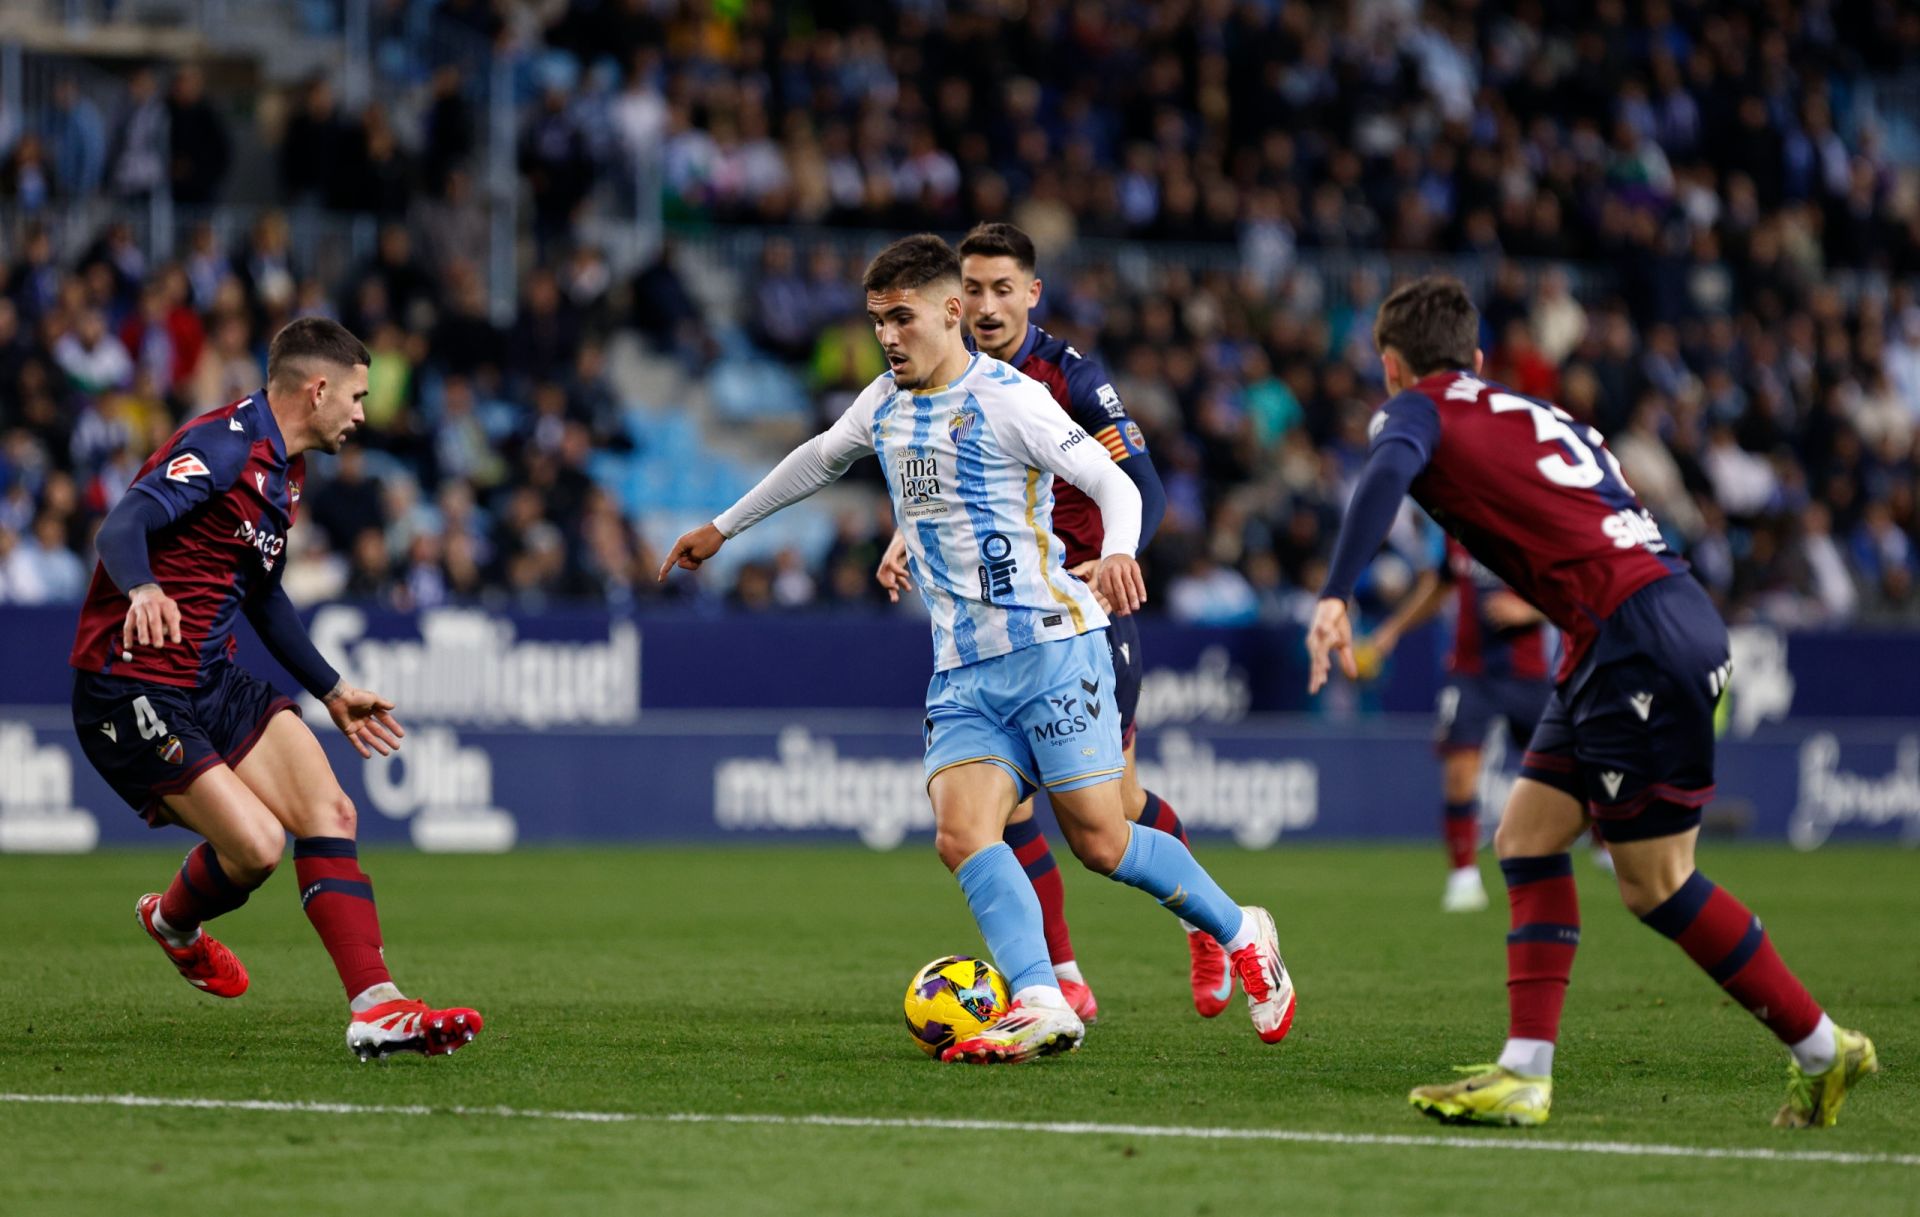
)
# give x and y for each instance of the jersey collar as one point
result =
(1032, 340)
(973, 361)
(269, 425)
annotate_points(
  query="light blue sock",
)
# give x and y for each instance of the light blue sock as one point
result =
(1162, 867)
(1008, 914)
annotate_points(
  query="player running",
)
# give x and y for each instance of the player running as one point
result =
(1022, 692)
(998, 291)
(187, 737)
(1496, 668)
(1627, 739)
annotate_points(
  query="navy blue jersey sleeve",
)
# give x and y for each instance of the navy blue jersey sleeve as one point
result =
(122, 540)
(1090, 393)
(1408, 418)
(274, 619)
(1389, 471)
(203, 464)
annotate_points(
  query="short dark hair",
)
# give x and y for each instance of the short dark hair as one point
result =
(311, 338)
(910, 264)
(1431, 321)
(995, 239)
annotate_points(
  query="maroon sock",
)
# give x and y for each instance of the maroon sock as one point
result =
(338, 899)
(1461, 829)
(1161, 818)
(1540, 947)
(1030, 847)
(202, 891)
(1727, 941)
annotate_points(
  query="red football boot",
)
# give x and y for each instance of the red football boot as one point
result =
(1263, 976)
(206, 964)
(1211, 978)
(1080, 997)
(406, 1025)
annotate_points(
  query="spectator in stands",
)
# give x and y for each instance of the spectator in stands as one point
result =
(78, 136)
(227, 369)
(448, 128)
(554, 160)
(26, 175)
(137, 159)
(198, 144)
(313, 148)
(93, 359)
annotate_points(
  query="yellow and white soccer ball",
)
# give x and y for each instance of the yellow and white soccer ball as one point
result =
(952, 998)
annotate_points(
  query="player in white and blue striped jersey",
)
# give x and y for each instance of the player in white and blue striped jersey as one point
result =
(1022, 693)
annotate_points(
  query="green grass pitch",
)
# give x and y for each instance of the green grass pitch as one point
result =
(768, 980)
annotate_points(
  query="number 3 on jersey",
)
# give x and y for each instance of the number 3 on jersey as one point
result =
(147, 719)
(1552, 425)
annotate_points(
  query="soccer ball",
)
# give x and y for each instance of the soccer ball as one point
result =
(952, 998)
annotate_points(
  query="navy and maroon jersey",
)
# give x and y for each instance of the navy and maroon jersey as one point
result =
(230, 491)
(1081, 387)
(1481, 648)
(1533, 495)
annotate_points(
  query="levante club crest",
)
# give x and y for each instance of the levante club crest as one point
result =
(171, 750)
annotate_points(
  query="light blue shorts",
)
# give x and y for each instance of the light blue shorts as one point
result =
(1045, 714)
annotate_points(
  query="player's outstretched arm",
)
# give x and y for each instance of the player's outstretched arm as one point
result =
(1376, 499)
(693, 549)
(365, 718)
(806, 469)
(273, 617)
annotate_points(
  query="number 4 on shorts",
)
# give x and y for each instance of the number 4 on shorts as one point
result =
(150, 724)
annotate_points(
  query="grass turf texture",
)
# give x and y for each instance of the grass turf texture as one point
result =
(769, 980)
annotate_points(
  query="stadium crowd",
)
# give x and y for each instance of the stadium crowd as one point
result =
(1736, 309)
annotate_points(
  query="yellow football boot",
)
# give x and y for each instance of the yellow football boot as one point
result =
(1491, 1094)
(1813, 1100)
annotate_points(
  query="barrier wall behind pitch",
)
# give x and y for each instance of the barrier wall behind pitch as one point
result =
(570, 727)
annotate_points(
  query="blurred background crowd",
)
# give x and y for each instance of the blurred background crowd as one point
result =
(1695, 225)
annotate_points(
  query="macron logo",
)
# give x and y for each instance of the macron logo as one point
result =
(260, 484)
(185, 466)
(234, 424)
(1612, 782)
(1642, 705)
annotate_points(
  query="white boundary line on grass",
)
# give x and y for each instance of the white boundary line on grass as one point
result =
(1509, 1141)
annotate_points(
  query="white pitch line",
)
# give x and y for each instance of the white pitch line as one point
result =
(1507, 1141)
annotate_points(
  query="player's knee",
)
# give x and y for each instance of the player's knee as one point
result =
(252, 856)
(1649, 878)
(1461, 779)
(1101, 849)
(331, 816)
(1512, 841)
(955, 848)
(335, 817)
